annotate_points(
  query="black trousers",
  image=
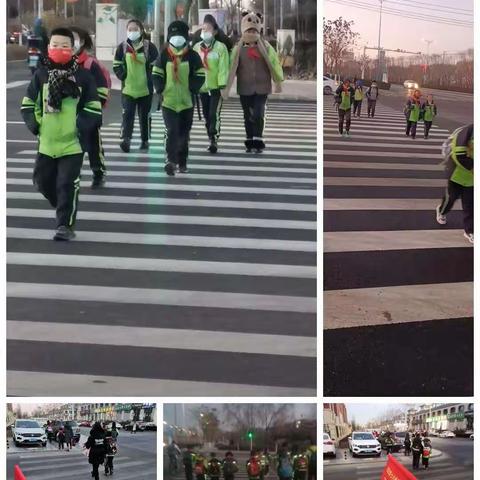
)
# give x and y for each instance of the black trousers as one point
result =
(344, 116)
(211, 108)
(130, 105)
(95, 474)
(411, 128)
(58, 180)
(453, 192)
(96, 154)
(177, 134)
(416, 459)
(357, 107)
(371, 104)
(108, 464)
(426, 127)
(254, 115)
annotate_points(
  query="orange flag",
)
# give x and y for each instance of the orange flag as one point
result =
(394, 470)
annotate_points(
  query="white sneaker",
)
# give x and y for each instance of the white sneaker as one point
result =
(441, 219)
(468, 236)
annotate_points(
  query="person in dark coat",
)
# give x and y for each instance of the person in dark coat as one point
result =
(97, 444)
(407, 444)
(417, 450)
(69, 437)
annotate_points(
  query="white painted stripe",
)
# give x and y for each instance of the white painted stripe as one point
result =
(195, 158)
(182, 339)
(87, 293)
(374, 129)
(385, 182)
(383, 204)
(383, 166)
(204, 166)
(86, 198)
(21, 141)
(412, 145)
(401, 304)
(268, 127)
(175, 240)
(18, 83)
(192, 175)
(22, 383)
(15, 123)
(332, 122)
(161, 265)
(393, 240)
(188, 188)
(388, 154)
(171, 219)
(372, 139)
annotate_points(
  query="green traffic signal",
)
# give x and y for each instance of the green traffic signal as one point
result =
(250, 435)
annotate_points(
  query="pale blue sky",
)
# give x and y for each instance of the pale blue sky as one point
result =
(407, 33)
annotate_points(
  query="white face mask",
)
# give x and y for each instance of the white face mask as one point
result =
(177, 41)
(134, 35)
(207, 37)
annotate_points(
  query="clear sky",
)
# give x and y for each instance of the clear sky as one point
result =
(407, 33)
(184, 419)
(364, 412)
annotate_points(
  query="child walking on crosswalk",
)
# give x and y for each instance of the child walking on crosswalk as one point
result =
(345, 94)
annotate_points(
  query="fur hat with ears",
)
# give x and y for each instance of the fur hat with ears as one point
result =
(251, 20)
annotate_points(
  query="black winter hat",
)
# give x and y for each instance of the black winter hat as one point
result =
(177, 28)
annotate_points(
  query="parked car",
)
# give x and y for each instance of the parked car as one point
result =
(364, 443)
(397, 441)
(58, 424)
(129, 425)
(329, 86)
(328, 446)
(28, 432)
(446, 434)
(151, 426)
(411, 84)
(471, 436)
(433, 433)
(85, 423)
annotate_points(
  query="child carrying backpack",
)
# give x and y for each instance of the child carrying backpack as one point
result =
(96, 155)
(427, 451)
(214, 467)
(285, 468)
(300, 466)
(61, 439)
(199, 468)
(413, 113)
(429, 109)
(111, 447)
(254, 467)
(230, 467)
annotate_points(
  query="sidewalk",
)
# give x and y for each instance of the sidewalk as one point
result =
(297, 90)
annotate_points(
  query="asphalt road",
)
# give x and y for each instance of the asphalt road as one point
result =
(398, 288)
(136, 458)
(454, 463)
(197, 284)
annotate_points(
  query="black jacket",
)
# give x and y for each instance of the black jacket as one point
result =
(97, 444)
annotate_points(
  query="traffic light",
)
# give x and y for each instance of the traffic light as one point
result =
(250, 434)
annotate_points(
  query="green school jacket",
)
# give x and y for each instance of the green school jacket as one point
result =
(59, 132)
(177, 93)
(429, 112)
(216, 75)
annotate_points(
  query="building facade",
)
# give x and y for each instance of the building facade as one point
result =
(456, 417)
(335, 421)
(118, 412)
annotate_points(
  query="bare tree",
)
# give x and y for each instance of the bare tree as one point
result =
(338, 38)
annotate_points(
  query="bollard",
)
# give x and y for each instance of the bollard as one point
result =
(18, 474)
(345, 455)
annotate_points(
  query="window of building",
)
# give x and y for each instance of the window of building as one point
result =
(461, 408)
(445, 411)
(452, 410)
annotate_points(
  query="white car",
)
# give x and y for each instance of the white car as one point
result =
(329, 86)
(447, 434)
(364, 443)
(329, 446)
(410, 84)
(28, 432)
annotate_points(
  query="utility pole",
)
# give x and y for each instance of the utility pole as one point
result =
(379, 35)
(265, 17)
(65, 8)
(157, 23)
(40, 8)
(168, 17)
(281, 13)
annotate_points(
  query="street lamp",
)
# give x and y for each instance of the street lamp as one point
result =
(379, 35)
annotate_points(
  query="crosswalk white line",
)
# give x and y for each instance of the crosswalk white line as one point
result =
(413, 167)
(412, 145)
(182, 339)
(171, 240)
(385, 182)
(361, 307)
(307, 192)
(178, 202)
(161, 265)
(382, 204)
(386, 154)
(171, 219)
(393, 240)
(119, 295)
(384, 129)
(23, 382)
(192, 175)
(405, 139)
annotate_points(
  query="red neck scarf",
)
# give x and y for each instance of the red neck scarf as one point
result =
(204, 54)
(81, 57)
(253, 53)
(176, 59)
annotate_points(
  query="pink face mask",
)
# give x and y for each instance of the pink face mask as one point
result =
(60, 55)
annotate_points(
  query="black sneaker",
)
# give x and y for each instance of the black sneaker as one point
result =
(125, 145)
(182, 170)
(170, 169)
(64, 234)
(259, 150)
(144, 146)
(98, 181)
(213, 148)
(248, 145)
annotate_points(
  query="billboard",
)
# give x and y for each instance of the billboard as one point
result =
(106, 30)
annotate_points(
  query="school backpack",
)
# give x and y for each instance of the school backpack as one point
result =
(302, 463)
(230, 468)
(106, 74)
(285, 469)
(254, 468)
(214, 468)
